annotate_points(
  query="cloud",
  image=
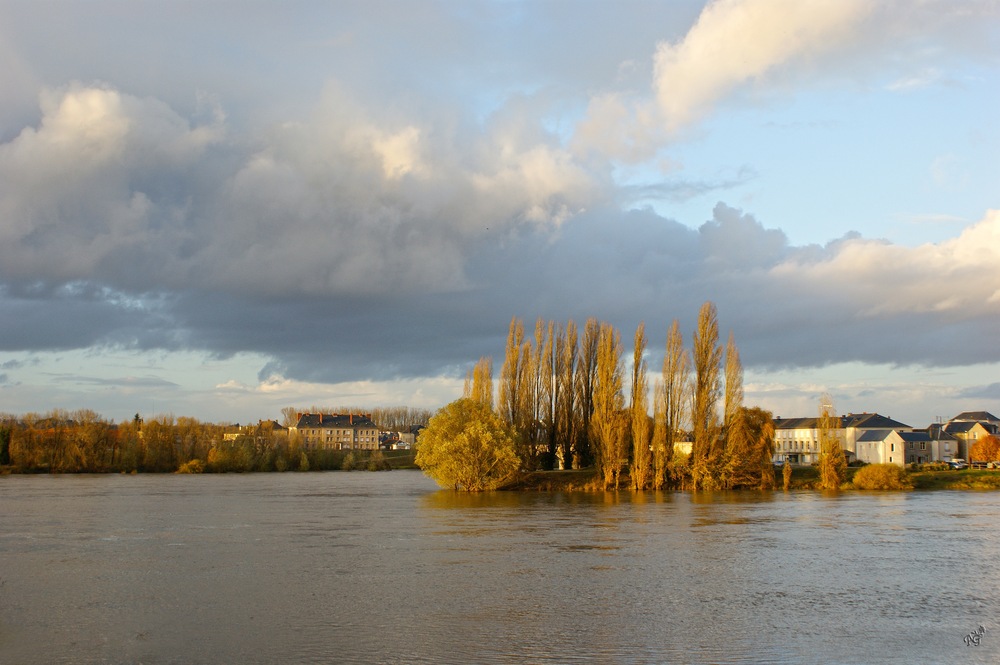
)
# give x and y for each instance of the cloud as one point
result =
(749, 52)
(988, 392)
(739, 41)
(128, 382)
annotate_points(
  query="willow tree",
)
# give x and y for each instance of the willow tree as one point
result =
(641, 469)
(707, 355)
(832, 461)
(753, 437)
(608, 424)
(467, 446)
(676, 390)
(479, 382)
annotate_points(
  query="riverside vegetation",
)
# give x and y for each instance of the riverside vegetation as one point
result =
(84, 442)
(561, 421)
(561, 404)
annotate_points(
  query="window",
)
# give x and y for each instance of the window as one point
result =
(923, 445)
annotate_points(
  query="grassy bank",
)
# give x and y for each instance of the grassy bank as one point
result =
(803, 478)
(966, 479)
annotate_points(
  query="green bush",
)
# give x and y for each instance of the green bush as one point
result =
(882, 477)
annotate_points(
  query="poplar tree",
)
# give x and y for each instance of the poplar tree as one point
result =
(738, 437)
(566, 397)
(585, 378)
(661, 461)
(512, 374)
(479, 382)
(641, 463)
(676, 389)
(607, 423)
(539, 391)
(705, 420)
(549, 371)
(832, 461)
(516, 390)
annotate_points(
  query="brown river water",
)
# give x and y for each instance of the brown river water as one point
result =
(385, 568)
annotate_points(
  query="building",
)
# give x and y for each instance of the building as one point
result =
(944, 446)
(333, 431)
(970, 426)
(797, 439)
(895, 447)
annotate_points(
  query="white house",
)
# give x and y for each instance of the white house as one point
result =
(895, 447)
(797, 439)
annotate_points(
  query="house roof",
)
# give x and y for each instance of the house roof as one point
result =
(980, 416)
(918, 436)
(960, 426)
(937, 432)
(855, 420)
(872, 421)
(317, 420)
(875, 435)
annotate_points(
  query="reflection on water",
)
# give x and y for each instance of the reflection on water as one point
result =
(383, 568)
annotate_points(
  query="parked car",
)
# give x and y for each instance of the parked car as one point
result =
(958, 463)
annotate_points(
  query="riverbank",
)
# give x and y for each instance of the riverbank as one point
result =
(803, 478)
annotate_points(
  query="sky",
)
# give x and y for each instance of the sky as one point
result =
(219, 209)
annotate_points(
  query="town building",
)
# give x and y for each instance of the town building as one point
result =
(970, 426)
(797, 439)
(895, 447)
(334, 431)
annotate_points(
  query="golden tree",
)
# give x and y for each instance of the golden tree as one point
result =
(566, 395)
(607, 423)
(676, 391)
(832, 461)
(467, 446)
(479, 382)
(641, 463)
(707, 356)
(986, 449)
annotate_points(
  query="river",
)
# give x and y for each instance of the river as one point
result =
(385, 568)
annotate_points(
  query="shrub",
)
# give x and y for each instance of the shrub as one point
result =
(882, 477)
(194, 466)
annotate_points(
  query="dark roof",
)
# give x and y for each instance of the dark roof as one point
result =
(795, 423)
(936, 432)
(977, 416)
(880, 435)
(872, 421)
(856, 420)
(960, 426)
(318, 420)
(914, 436)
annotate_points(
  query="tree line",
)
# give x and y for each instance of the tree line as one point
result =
(561, 397)
(84, 442)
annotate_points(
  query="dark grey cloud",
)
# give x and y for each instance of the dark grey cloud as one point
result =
(987, 392)
(788, 306)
